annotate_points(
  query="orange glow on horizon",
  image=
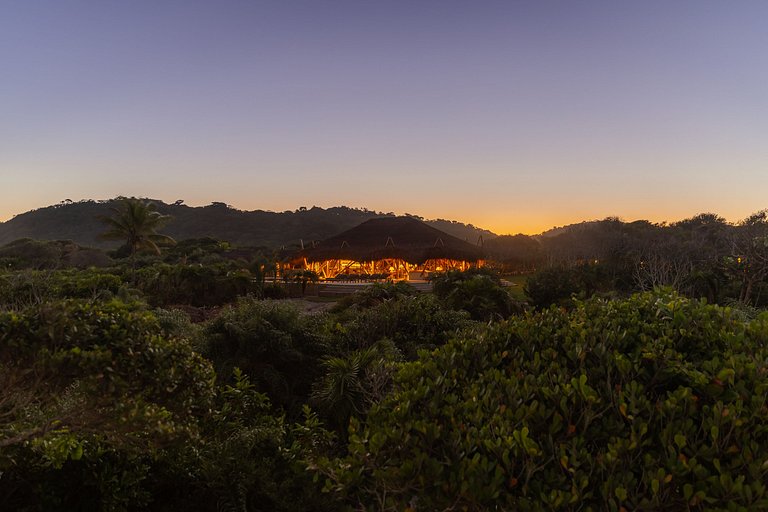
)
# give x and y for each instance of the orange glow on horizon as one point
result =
(530, 222)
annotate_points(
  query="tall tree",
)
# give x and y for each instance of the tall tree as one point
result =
(136, 222)
(750, 244)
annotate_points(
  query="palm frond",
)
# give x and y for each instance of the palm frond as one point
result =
(136, 222)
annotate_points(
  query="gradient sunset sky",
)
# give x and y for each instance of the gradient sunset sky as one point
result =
(515, 116)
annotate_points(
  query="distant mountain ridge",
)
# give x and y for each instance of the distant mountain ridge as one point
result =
(79, 222)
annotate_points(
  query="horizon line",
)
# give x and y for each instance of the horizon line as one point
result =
(181, 202)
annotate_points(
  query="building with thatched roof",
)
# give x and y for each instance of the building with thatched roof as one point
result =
(388, 247)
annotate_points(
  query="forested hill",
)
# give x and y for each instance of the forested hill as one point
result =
(78, 221)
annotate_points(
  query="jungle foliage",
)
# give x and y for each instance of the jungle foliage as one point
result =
(652, 403)
(172, 382)
(78, 221)
(100, 410)
(701, 257)
(113, 398)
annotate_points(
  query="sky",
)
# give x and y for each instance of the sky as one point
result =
(516, 116)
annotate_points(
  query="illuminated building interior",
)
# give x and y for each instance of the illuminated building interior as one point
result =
(394, 248)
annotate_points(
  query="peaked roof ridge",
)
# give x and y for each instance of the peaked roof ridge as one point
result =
(417, 242)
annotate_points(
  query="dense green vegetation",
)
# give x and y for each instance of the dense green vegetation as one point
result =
(172, 381)
(101, 409)
(651, 403)
(701, 257)
(113, 398)
(79, 221)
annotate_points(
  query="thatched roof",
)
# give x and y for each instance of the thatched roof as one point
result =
(404, 238)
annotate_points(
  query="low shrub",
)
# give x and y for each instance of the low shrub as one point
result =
(476, 291)
(30, 287)
(651, 403)
(196, 285)
(271, 342)
(411, 322)
(557, 285)
(88, 391)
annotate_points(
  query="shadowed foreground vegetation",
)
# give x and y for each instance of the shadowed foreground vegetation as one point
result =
(177, 382)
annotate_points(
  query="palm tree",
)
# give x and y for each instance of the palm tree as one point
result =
(302, 277)
(353, 383)
(136, 222)
(261, 266)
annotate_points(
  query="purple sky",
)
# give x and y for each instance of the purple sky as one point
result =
(515, 116)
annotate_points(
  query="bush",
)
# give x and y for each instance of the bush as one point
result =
(275, 292)
(374, 294)
(87, 392)
(249, 459)
(353, 383)
(196, 285)
(412, 323)
(26, 253)
(177, 323)
(102, 409)
(275, 345)
(651, 403)
(27, 288)
(556, 285)
(477, 291)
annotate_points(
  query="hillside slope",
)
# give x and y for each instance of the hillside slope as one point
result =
(79, 222)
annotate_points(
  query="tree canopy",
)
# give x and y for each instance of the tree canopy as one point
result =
(136, 222)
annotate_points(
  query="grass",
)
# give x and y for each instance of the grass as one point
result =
(518, 283)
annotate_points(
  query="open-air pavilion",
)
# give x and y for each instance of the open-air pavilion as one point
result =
(397, 248)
